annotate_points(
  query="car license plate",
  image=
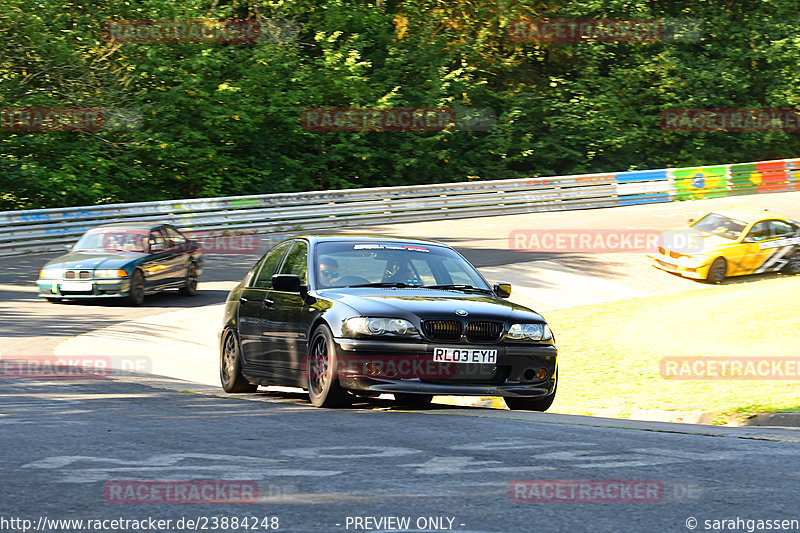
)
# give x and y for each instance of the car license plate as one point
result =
(465, 355)
(76, 286)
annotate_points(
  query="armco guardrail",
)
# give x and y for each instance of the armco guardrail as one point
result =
(41, 230)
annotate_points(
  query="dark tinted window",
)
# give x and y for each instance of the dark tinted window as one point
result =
(158, 240)
(297, 260)
(759, 232)
(270, 266)
(175, 238)
(780, 228)
(355, 263)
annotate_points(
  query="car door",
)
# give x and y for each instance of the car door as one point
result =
(179, 257)
(779, 247)
(749, 254)
(288, 318)
(257, 349)
(156, 267)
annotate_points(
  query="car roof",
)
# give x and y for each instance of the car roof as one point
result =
(315, 239)
(747, 214)
(123, 225)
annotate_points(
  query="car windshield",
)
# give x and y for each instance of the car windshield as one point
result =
(720, 225)
(348, 264)
(113, 240)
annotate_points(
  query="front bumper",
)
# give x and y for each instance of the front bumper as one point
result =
(408, 367)
(101, 288)
(683, 266)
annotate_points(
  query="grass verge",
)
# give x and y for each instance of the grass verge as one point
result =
(609, 353)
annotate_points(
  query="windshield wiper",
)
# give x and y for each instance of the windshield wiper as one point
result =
(397, 284)
(458, 287)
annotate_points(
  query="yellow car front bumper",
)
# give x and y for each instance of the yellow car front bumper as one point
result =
(683, 266)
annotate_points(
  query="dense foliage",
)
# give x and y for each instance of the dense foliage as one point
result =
(220, 119)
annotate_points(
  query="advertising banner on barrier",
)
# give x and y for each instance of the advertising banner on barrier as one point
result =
(700, 183)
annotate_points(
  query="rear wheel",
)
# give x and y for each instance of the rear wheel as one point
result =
(793, 266)
(324, 389)
(136, 293)
(414, 400)
(717, 271)
(190, 285)
(230, 366)
(54, 300)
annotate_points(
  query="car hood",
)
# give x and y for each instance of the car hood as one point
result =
(92, 261)
(429, 303)
(690, 241)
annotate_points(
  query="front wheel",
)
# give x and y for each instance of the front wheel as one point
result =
(530, 404)
(717, 271)
(324, 389)
(230, 366)
(793, 266)
(136, 293)
(190, 284)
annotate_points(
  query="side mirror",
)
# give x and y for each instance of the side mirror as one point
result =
(691, 220)
(503, 290)
(157, 247)
(287, 283)
(749, 239)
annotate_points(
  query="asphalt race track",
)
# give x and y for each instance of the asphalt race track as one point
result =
(80, 447)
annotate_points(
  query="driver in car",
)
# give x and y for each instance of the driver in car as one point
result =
(328, 271)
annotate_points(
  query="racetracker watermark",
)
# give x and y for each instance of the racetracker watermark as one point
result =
(180, 492)
(387, 367)
(725, 368)
(48, 367)
(226, 242)
(201, 31)
(600, 241)
(731, 120)
(576, 30)
(586, 491)
(398, 119)
(69, 119)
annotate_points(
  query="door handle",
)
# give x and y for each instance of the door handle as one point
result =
(268, 302)
(242, 300)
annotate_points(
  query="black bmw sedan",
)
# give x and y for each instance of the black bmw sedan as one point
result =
(345, 316)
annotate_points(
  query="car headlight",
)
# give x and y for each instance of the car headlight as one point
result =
(530, 332)
(51, 273)
(110, 274)
(362, 325)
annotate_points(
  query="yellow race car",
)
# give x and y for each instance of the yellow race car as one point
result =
(731, 242)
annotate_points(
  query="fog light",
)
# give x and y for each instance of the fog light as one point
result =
(371, 369)
(541, 373)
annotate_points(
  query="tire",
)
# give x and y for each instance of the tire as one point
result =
(532, 404)
(136, 293)
(190, 285)
(54, 300)
(793, 266)
(324, 389)
(414, 400)
(230, 365)
(717, 271)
